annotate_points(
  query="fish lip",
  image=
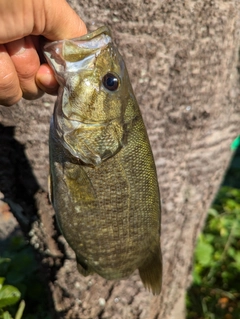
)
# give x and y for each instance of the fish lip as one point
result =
(86, 37)
(102, 30)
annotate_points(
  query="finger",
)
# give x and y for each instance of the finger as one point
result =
(62, 21)
(10, 91)
(45, 79)
(54, 19)
(14, 21)
(26, 61)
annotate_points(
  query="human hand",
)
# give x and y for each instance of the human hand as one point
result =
(22, 23)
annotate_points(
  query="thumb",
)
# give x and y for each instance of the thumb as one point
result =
(61, 21)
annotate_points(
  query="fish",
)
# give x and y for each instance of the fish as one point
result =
(103, 180)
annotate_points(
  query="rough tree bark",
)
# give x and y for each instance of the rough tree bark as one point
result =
(183, 60)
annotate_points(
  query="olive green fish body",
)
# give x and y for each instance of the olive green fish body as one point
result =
(103, 178)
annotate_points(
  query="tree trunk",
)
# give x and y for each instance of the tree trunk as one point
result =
(183, 61)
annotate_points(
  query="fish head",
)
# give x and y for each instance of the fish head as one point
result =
(94, 93)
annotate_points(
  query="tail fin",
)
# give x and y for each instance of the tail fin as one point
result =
(151, 272)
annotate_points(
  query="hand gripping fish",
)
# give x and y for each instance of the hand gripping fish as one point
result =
(103, 180)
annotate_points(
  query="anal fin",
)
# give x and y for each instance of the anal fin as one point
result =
(151, 272)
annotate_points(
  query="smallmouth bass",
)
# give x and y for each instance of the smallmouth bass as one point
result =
(103, 180)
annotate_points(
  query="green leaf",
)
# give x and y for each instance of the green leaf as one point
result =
(213, 212)
(20, 310)
(231, 252)
(196, 277)
(224, 232)
(9, 295)
(209, 238)
(204, 253)
(6, 315)
(237, 257)
(2, 279)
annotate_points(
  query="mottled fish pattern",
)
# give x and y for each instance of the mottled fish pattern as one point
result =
(103, 180)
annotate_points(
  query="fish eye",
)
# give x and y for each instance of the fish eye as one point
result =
(110, 81)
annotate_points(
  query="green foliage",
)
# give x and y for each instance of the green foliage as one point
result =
(20, 283)
(9, 295)
(215, 293)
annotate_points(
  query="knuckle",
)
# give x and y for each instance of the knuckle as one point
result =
(10, 92)
(7, 83)
(30, 89)
(9, 101)
(28, 73)
(32, 95)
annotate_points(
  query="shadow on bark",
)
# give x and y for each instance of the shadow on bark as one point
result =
(17, 181)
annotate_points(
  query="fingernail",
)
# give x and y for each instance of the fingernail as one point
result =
(16, 47)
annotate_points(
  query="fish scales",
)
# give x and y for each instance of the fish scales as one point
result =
(104, 186)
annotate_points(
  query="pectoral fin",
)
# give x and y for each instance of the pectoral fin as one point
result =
(151, 272)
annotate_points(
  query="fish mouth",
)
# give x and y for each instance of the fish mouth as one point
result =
(77, 53)
(89, 36)
(99, 33)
